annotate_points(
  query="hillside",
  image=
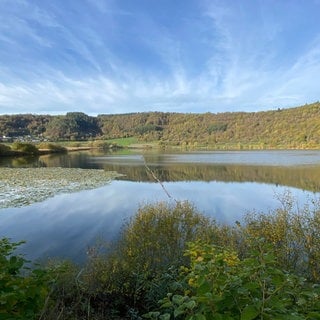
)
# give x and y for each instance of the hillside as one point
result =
(283, 128)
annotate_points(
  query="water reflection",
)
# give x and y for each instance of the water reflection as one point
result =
(304, 176)
(67, 224)
(223, 185)
(297, 169)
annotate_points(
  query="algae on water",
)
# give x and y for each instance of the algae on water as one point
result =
(23, 186)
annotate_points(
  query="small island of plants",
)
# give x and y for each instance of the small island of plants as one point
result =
(23, 186)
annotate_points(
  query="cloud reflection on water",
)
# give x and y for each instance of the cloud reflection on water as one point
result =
(67, 224)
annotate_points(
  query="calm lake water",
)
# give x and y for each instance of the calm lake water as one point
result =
(222, 185)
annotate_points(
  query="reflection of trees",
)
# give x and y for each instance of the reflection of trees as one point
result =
(302, 177)
(71, 160)
(307, 178)
(67, 160)
(19, 162)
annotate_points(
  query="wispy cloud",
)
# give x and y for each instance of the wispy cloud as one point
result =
(299, 82)
(248, 65)
(101, 56)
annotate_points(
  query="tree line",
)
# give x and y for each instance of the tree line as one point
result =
(297, 127)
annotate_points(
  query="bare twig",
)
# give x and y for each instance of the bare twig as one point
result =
(158, 180)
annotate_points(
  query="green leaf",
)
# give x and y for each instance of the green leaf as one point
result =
(251, 285)
(290, 317)
(165, 316)
(249, 313)
(178, 299)
(167, 304)
(178, 312)
(152, 315)
(314, 315)
(204, 288)
(190, 304)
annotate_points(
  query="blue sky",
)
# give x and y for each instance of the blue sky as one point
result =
(119, 56)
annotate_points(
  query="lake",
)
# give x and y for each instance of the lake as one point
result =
(224, 185)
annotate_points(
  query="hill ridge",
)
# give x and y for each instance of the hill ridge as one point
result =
(297, 127)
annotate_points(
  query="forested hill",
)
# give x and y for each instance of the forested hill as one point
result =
(283, 128)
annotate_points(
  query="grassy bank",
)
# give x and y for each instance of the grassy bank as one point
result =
(26, 149)
(172, 262)
(21, 149)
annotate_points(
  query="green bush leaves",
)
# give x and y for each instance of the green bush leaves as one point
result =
(220, 285)
(22, 291)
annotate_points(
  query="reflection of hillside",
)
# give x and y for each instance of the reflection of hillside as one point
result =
(302, 177)
(307, 178)
(67, 160)
(70, 160)
(21, 162)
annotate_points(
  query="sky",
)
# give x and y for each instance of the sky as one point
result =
(194, 56)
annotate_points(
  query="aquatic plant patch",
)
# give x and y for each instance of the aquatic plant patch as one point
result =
(23, 186)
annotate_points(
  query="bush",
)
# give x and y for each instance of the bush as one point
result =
(294, 234)
(27, 148)
(68, 297)
(4, 149)
(50, 293)
(157, 235)
(100, 144)
(265, 269)
(268, 270)
(220, 285)
(22, 292)
(52, 147)
(148, 253)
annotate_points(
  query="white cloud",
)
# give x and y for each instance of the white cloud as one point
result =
(74, 61)
(300, 82)
(16, 18)
(244, 67)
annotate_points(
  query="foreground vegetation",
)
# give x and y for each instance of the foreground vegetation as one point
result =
(282, 128)
(172, 262)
